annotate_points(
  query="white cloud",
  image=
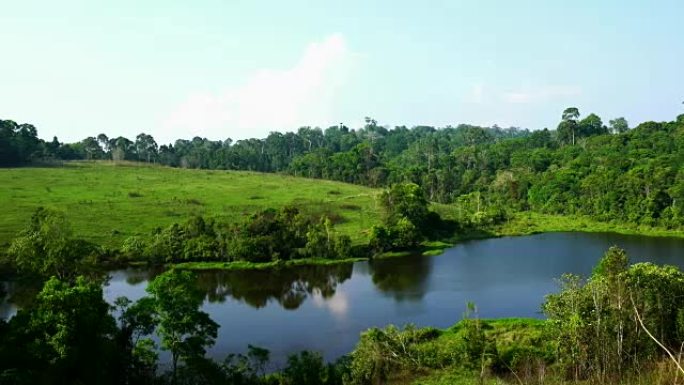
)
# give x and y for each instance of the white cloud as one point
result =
(540, 94)
(270, 99)
(338, 304)
(476, 94)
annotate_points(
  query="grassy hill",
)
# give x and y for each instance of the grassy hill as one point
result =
(108, 202)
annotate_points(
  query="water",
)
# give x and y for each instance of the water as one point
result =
(324, 308)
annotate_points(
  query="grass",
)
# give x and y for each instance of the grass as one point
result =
(245, 265)
(511, 336)
(107, 202)
(533, 223)
(425, 249)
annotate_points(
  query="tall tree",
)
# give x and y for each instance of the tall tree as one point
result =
(183, 328)
(618, 125)
(592, 125)
(568, 127)
(145, 147)
(68, 334)
(104, 142)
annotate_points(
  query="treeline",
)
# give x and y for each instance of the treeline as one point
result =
(612, 173)
(47, 247)
(275, 153)
(267, 235)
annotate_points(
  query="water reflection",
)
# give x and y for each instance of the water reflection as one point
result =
(289, 287)
(505, 277)
(138, 276)
(338, 305)
(402, 278)
(16, 294)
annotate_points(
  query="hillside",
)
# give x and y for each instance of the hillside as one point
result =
(107, 202)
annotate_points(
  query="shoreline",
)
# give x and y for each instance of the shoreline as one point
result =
(521, 224)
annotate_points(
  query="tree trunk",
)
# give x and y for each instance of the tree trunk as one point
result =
(175, 366)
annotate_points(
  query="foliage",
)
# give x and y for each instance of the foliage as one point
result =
(592, 335)
(46, 247)
(407, 220)
(583, 167)
(67, 336)
(404, 201)
(184, 330)
(268, 235)
(383, 353)
(307, 368)
(595, 324)
(393, 355)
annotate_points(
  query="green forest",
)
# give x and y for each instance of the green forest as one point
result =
(624, 324)
(582, 167)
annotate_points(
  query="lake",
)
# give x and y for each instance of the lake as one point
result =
(324, 308)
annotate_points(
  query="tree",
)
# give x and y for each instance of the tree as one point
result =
(145, 147)
(404, 200)
(323, 242)
(305, 368)
(183, 328)
(568, 127)
(70, 327)
(92, 148)
(594, 322)
(138, 352)
(46, 247)
(592, 125)
(120, 148)
(618, 125)
(405, 234)
(8, 153)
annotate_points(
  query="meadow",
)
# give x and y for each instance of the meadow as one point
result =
(106, 202)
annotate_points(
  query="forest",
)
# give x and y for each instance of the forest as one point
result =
(622, 324)
(582, 167)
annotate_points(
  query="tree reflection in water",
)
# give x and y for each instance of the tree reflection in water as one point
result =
(288, 286)
(19, 292)
(402, 278)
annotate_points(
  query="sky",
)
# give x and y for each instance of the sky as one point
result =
(240, 69)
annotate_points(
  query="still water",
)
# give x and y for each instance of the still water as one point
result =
(324, 308)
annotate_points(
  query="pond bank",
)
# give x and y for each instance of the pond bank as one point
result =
(526, 223)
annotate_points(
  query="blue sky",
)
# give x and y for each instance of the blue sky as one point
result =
(240, 69)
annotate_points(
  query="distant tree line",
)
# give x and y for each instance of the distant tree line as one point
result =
(583, 167)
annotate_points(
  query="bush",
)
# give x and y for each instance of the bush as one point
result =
(405, 234)
(306, 368)
(380, 239)
(133, 248)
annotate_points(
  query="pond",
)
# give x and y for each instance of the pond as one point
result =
(324, 308)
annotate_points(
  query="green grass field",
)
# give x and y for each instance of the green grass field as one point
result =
(107, 202)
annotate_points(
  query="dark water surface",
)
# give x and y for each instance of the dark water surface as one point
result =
(324, 308)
